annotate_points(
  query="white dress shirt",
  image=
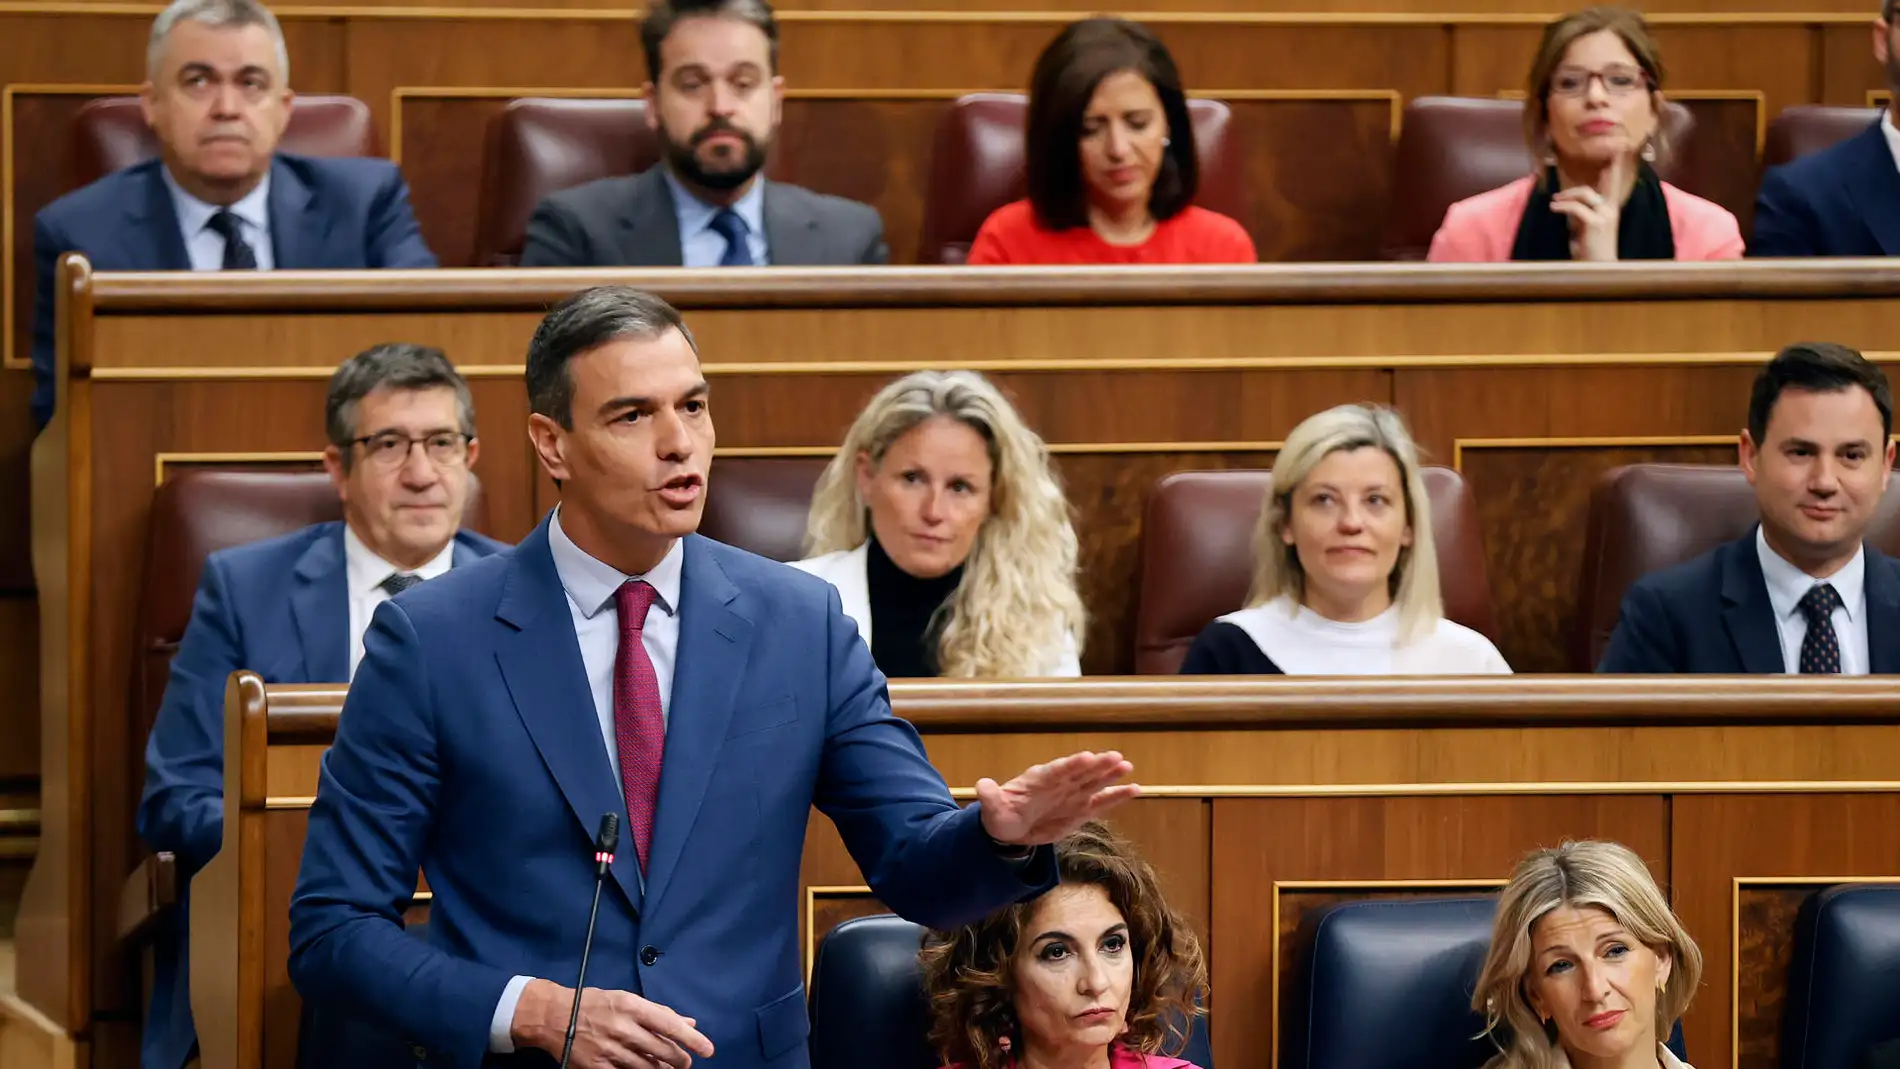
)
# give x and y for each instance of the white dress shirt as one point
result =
(700, 244)
(590, 585)
(365, 571)
(1892, 134)
(204, 245)
(1787, 585)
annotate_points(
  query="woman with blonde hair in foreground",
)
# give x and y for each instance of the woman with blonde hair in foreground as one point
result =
(946, 533)
(1588, 968)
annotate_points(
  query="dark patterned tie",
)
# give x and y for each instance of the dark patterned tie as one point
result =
(1821, 649)
(639, 729)
(238, 254)
(399, 582)
(733, 229)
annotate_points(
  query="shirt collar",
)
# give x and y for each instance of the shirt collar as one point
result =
(1892, 134)
(194, 214)
(696, 215)
(590, 582)
(366, 569)
(1787, 584)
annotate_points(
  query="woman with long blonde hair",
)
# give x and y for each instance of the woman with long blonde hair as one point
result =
(946, 533)
(1588, 966)
(1345, 573)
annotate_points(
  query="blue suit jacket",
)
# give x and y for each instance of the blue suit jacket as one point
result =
(1712, 615)
(325, 214)
(245, 616)
(1841, 201)
(470, 747)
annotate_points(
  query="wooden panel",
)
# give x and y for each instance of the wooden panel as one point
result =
(444, 175)
(39, 171)
(1320, 175)
(1727, 130)
(19, 691)
(1261, 842)
(1765, 929)
(1787, 836)
(1848, 69)
(282, 1004)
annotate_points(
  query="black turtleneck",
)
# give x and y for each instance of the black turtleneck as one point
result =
(902, 641)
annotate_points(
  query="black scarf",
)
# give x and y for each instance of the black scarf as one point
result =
(1642, 231)
(904, 621)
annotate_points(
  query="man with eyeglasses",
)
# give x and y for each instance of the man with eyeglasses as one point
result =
(401, 424)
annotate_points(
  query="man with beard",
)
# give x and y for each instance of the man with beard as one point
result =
(221, 197)
(1801, 593)
(1844, 200)
(714, 102)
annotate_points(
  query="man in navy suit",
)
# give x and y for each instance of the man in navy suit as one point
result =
(293, 609)
(1800, 593)
(221, 197)
(618, 663)
(1844, 200)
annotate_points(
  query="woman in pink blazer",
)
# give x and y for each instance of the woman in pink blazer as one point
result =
(1592, 114)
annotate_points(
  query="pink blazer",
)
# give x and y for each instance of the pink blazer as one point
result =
(1481, 229)
(1122, 1058)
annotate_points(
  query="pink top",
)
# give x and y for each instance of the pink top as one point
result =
(1483, 228)
(1123, 1058)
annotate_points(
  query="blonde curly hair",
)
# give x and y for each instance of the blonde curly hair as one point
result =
(1017, 599)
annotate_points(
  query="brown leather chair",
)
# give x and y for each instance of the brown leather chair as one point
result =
(760, 504)
(1197, 557)
(977, 167)
(1809, 128)
(542, 145)
(1451, 148)
(109, 134)
(1647, 517)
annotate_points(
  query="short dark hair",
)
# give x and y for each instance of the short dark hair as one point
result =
(1065, 78)
(1822, 367)
(582, 323)
(389, 366)
(663, 15)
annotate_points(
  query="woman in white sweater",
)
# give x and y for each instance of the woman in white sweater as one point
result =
(947, 536)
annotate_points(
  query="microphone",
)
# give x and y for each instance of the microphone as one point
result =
(604, 842)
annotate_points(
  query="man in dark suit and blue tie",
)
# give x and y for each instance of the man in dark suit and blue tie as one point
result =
(1801, 593)
(1843, 200)
(293, 609)
(221, 197)
(618, 663)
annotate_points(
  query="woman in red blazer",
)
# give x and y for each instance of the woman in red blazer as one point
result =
(1111, 162)
(1592, 114)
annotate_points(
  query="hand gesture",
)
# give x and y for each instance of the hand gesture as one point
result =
(1049, 801)
(616, 1030)
(1595, 212)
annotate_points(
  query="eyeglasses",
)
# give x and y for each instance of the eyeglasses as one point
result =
(1619, 80)
(445, 449)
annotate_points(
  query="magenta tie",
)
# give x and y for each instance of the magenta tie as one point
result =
(639, 730)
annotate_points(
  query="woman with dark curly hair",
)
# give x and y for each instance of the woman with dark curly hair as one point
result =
(1098, 973)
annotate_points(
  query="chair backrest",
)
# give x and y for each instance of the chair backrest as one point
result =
(978, 166)
(868, 1009)
(1197, 557)
(1844, 979)
(762, 503)
(109, 134)
(541, 145)
(1646, 517)
(197, 513)
(1805, 128)
(1451, 148)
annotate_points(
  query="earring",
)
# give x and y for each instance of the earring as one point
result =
(1165, 142)
(1648, 152)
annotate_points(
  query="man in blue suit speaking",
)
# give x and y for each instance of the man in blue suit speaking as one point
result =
(293, 609)
(221, 197)
(618, 663)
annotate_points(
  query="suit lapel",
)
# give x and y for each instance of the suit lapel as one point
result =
(320, 605)
(650, 230)
(791, 233)
(296, 232)
(714, 643)
(1883, 614)
(1746, 611)
(541, 664)
(155, 214)
(465, 554)
(1873, 184)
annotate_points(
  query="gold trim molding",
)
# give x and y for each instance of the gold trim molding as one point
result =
(812, 894)
(286, 457)
(1459, 445)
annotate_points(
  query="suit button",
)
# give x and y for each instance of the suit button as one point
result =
(649, 955)
(421, 1052)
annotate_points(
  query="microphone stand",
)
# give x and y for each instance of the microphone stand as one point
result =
(604, 843)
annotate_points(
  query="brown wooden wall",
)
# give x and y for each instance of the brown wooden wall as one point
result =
(1264, 802)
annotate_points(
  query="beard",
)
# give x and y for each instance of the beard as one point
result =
(684, 158)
